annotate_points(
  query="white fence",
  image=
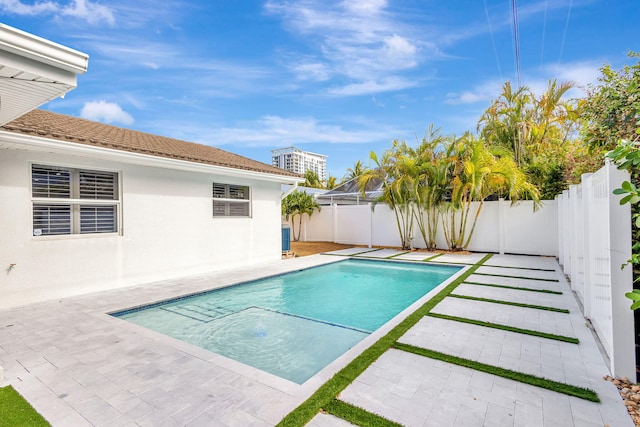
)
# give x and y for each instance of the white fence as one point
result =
(595, 240)
(501, 227)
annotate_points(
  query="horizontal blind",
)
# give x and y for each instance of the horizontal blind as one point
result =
(98, 185)
(231, 200)
(98, 219)
(51, 219)
(50, 182)
(238, 209)
(238, 192)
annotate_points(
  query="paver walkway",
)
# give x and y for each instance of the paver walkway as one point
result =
(415, 390)
(78, 366)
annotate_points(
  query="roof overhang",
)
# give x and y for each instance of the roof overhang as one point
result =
(14, 141)
(34, 71)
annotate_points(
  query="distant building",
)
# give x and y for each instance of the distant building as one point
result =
(295, 160)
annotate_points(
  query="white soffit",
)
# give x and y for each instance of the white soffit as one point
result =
(34, 71)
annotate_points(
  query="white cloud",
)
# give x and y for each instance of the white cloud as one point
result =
(19, 8)
(361, 40)
(311, 71)
(86, 10)
(276, 131)
(483, 92)
(107, 112)
(93, 13)
(372, 86)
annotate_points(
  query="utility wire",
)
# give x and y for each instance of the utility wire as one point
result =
(566, 26)
(544, 30)
(493, 41)
(516, 39)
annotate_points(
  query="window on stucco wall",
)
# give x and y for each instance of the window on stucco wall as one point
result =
(74, 201)
(231, 200)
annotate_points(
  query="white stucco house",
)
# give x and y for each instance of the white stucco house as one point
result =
(86, 206)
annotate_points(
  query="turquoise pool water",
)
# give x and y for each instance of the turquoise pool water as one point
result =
(295, 324)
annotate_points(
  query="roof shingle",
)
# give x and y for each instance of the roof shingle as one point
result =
(72, 129)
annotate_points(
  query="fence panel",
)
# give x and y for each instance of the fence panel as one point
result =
(595, 243)
(531, 232)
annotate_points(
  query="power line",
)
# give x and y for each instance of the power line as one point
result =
(493, 41)
(566, 26)
(516, 38)
(544, 30)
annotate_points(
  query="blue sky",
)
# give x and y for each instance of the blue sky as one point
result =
(339, 78)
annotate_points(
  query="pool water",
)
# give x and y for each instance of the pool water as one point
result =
(295, 324)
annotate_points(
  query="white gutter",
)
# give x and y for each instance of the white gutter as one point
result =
(41, 50)
(291, 190)
(79, 149)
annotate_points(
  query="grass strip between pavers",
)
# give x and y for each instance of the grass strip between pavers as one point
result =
(395, 255)
(357, 415)
(517, 277)
(517, 288)
(517, 304)
(16, 411)
(329, 390)
(519, 268)
(506, 328)
(568, 389)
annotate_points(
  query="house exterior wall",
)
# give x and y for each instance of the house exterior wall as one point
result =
(168, 231)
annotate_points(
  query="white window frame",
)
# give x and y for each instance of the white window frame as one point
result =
(222, 198)
(76, 203)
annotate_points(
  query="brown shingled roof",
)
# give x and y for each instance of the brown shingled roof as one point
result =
(51, 125)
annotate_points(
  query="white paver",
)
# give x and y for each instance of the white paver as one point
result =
(415, 256)
(523, 261)
(351, 251)
(511, 295)
(382, 253)
(519, 272)
(460, 258)
(518, 282)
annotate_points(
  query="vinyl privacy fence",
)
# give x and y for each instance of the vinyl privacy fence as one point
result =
(501, 228)
(594, 242)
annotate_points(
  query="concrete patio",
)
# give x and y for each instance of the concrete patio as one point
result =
(78, 366)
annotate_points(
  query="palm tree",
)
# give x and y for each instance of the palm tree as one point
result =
(358, 170)
(395, 171)
(432, 183)
(312, 180)
(332, 183)
(478, 174)
(295, 204)
(506, 122)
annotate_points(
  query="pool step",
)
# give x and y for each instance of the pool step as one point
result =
(200, 312)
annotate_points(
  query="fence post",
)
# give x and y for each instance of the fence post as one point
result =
(560, 202)
(334, 223)
(567, 232)
(573, 202)
(370, 224)
(623, 361)
(501, 225)
(589, 227)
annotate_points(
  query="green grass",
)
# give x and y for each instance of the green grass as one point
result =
(356, 415)
(516, 304)
(518, 277)
(520, 268)
(506, 328)
(518, 288)
(568, 389)
(15, 411)
(329, 390)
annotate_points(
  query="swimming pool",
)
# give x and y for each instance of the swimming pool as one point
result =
(294, 324)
